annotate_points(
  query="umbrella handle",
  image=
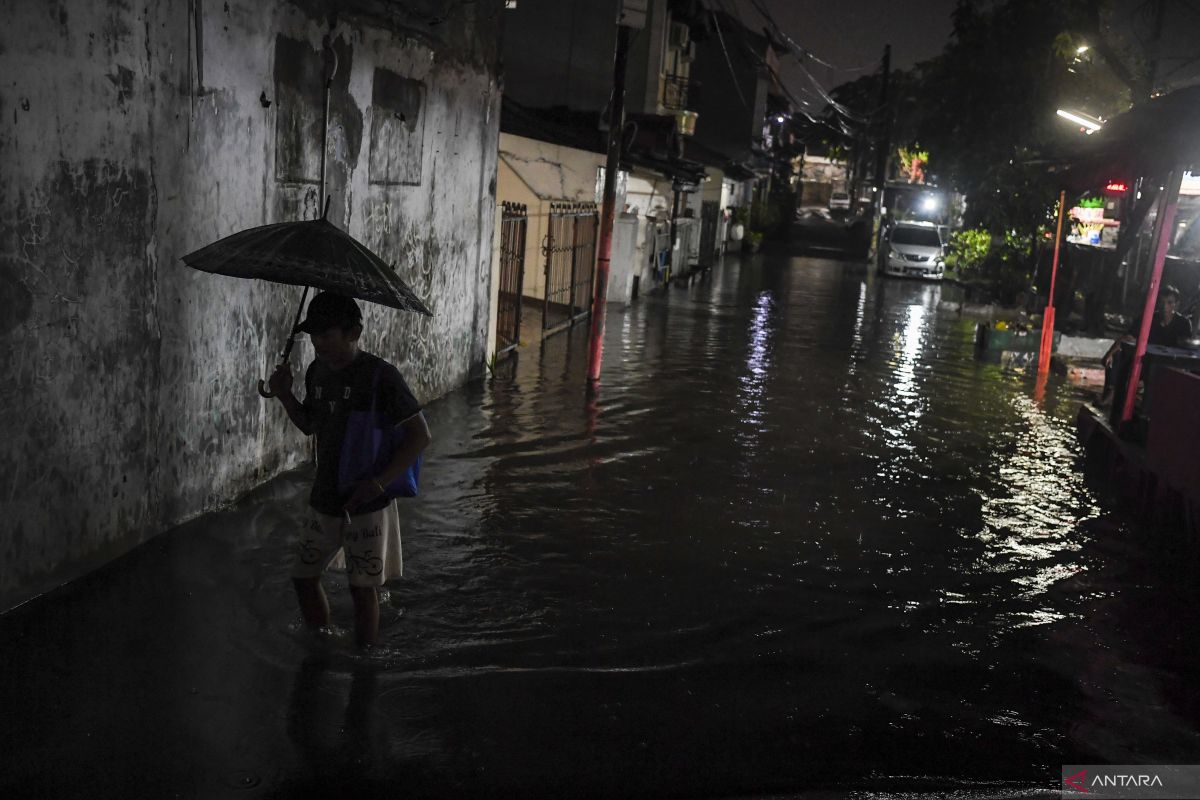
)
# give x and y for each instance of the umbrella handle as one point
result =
(263, 391)
(262, 385)
(287, 348)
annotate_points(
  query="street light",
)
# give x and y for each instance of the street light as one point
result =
(1089, 124)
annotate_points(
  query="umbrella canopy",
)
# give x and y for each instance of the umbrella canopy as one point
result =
(314, 253)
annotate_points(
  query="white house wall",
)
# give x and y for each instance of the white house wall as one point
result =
(538, 173)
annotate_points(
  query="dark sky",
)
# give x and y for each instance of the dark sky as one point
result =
(851, 33)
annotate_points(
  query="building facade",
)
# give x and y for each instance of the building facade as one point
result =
(142, 132)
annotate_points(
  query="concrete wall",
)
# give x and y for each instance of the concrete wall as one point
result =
(732, 102)
(644, 70)
(626, 235)
(135, 133)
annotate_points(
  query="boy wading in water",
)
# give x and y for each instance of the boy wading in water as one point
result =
(359, 519)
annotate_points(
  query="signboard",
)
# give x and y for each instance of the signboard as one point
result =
(1092, 226)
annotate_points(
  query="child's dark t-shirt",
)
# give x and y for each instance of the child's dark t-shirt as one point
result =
(329, 397)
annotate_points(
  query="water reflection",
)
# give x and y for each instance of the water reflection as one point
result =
(801, 518)
(335, 731)
(1030, 527)
(758, 359)
(907, 353)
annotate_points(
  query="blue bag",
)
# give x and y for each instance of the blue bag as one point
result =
(367, 449)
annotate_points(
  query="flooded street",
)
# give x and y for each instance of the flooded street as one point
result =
(803, 541)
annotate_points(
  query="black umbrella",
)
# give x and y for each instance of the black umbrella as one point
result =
(312, 254)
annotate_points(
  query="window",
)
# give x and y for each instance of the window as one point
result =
(919, 237)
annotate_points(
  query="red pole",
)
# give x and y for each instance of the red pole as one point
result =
(1163, 227)
(1048, 317)
(616, 121)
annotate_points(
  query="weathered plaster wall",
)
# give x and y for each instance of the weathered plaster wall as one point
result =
(135, 133)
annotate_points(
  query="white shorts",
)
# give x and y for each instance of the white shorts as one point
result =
(368, 547)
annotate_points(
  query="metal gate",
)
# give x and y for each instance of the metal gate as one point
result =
(514, 221)
(570, 250)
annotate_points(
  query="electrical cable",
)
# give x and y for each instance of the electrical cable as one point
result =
(802, 54)
(728, 62)
(740, 30)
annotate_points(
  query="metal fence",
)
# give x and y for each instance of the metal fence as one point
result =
(514, 223)
(570, 250)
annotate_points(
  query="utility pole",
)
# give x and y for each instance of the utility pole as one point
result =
(676, 196)
(616, 121)
(884, 146)
(881, 154)
(1047, 342)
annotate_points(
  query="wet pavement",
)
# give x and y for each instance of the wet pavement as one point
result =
(804, 542)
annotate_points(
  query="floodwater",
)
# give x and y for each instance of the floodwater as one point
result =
(803, 542)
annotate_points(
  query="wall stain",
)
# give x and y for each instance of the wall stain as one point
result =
(123, 81)
(15, 300)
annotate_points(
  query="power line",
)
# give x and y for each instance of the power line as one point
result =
(801, 53)
(725, 50)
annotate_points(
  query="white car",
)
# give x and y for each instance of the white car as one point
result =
(839, 201)
(914, 249)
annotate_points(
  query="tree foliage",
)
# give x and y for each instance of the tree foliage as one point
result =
(984, 109)
(987, 105)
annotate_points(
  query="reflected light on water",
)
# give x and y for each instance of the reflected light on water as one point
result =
(1028, 529)
(909, 349)
(856, 341)
(758, 359)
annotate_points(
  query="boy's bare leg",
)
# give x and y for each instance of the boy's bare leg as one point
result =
(366, 614)
(314, 605)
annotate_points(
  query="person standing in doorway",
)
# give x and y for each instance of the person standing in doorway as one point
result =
(359, 520)
(1169, 328)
